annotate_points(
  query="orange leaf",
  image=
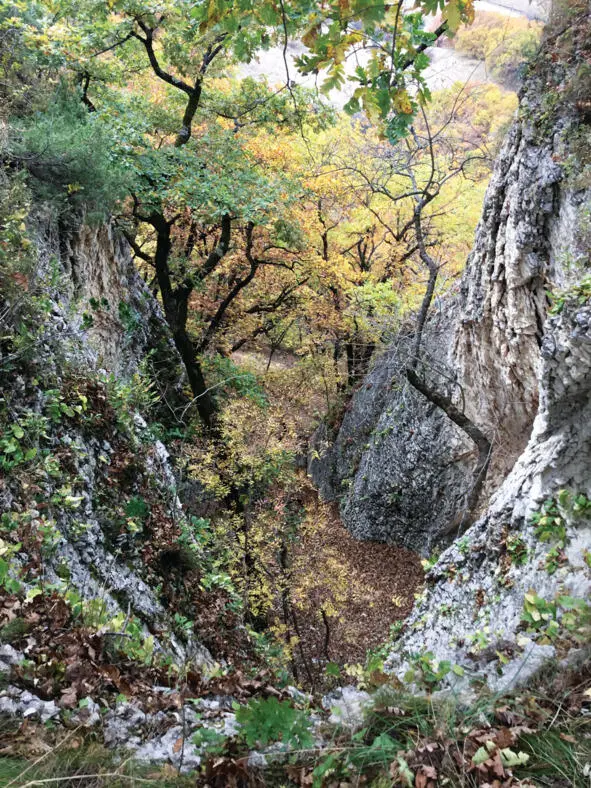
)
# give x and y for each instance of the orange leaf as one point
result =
(178, 744)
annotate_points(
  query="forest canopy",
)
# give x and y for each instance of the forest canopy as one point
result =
(256, 210)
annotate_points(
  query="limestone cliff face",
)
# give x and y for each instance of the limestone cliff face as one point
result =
(96, 455)
(512, 593)
(520, 253)
(399, 468)
(99, 301)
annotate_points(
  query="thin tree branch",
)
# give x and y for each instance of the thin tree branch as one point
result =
(467, 425)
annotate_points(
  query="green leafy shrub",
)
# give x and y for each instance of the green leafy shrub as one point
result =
(552, 520)
(56, 406)
(136, 507)
(126, 397)
(549, 522)
(555, 558)
(7, 579)
(227, 376)
(13, 447)
(361, 755)
(210, 741)
(580, 293)
(517, 550)
(54, 146)
(264, 721)
(427, 671)
(564, 618)
(21, 303)
(538, 613)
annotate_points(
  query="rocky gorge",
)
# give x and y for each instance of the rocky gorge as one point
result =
(120, 618)
(517, 362)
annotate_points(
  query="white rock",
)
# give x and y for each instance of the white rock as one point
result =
(347, 706)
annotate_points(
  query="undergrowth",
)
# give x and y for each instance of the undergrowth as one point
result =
(73, 759)
(538, 736)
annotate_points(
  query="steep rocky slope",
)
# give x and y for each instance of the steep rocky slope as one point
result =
(89, 504)
(83, 477)
(512, 591)
(397, 462)
(400, 469)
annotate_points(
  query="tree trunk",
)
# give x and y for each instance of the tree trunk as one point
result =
(358, 356)
(350, 364)
(206, 406)
(174, 302)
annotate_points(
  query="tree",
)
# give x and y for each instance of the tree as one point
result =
(414, 175)
(358, 274)
(403, 187)
(506, 44)
(182, 192)
(184, 44)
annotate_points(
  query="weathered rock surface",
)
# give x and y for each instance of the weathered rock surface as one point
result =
(16, 702)
(102, 314)
(401, 471)
(476, 607)
(103, 327)
(159, 737)
(347, 707)
(398, 466)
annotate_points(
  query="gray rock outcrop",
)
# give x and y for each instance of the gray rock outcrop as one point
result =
(401, 471)
(398, 466)
(510, 594)
(102, 348)
(102, 312)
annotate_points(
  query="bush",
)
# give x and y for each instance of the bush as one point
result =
(28, 65)
(23, 304)
(68, 153)
(267, 720)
